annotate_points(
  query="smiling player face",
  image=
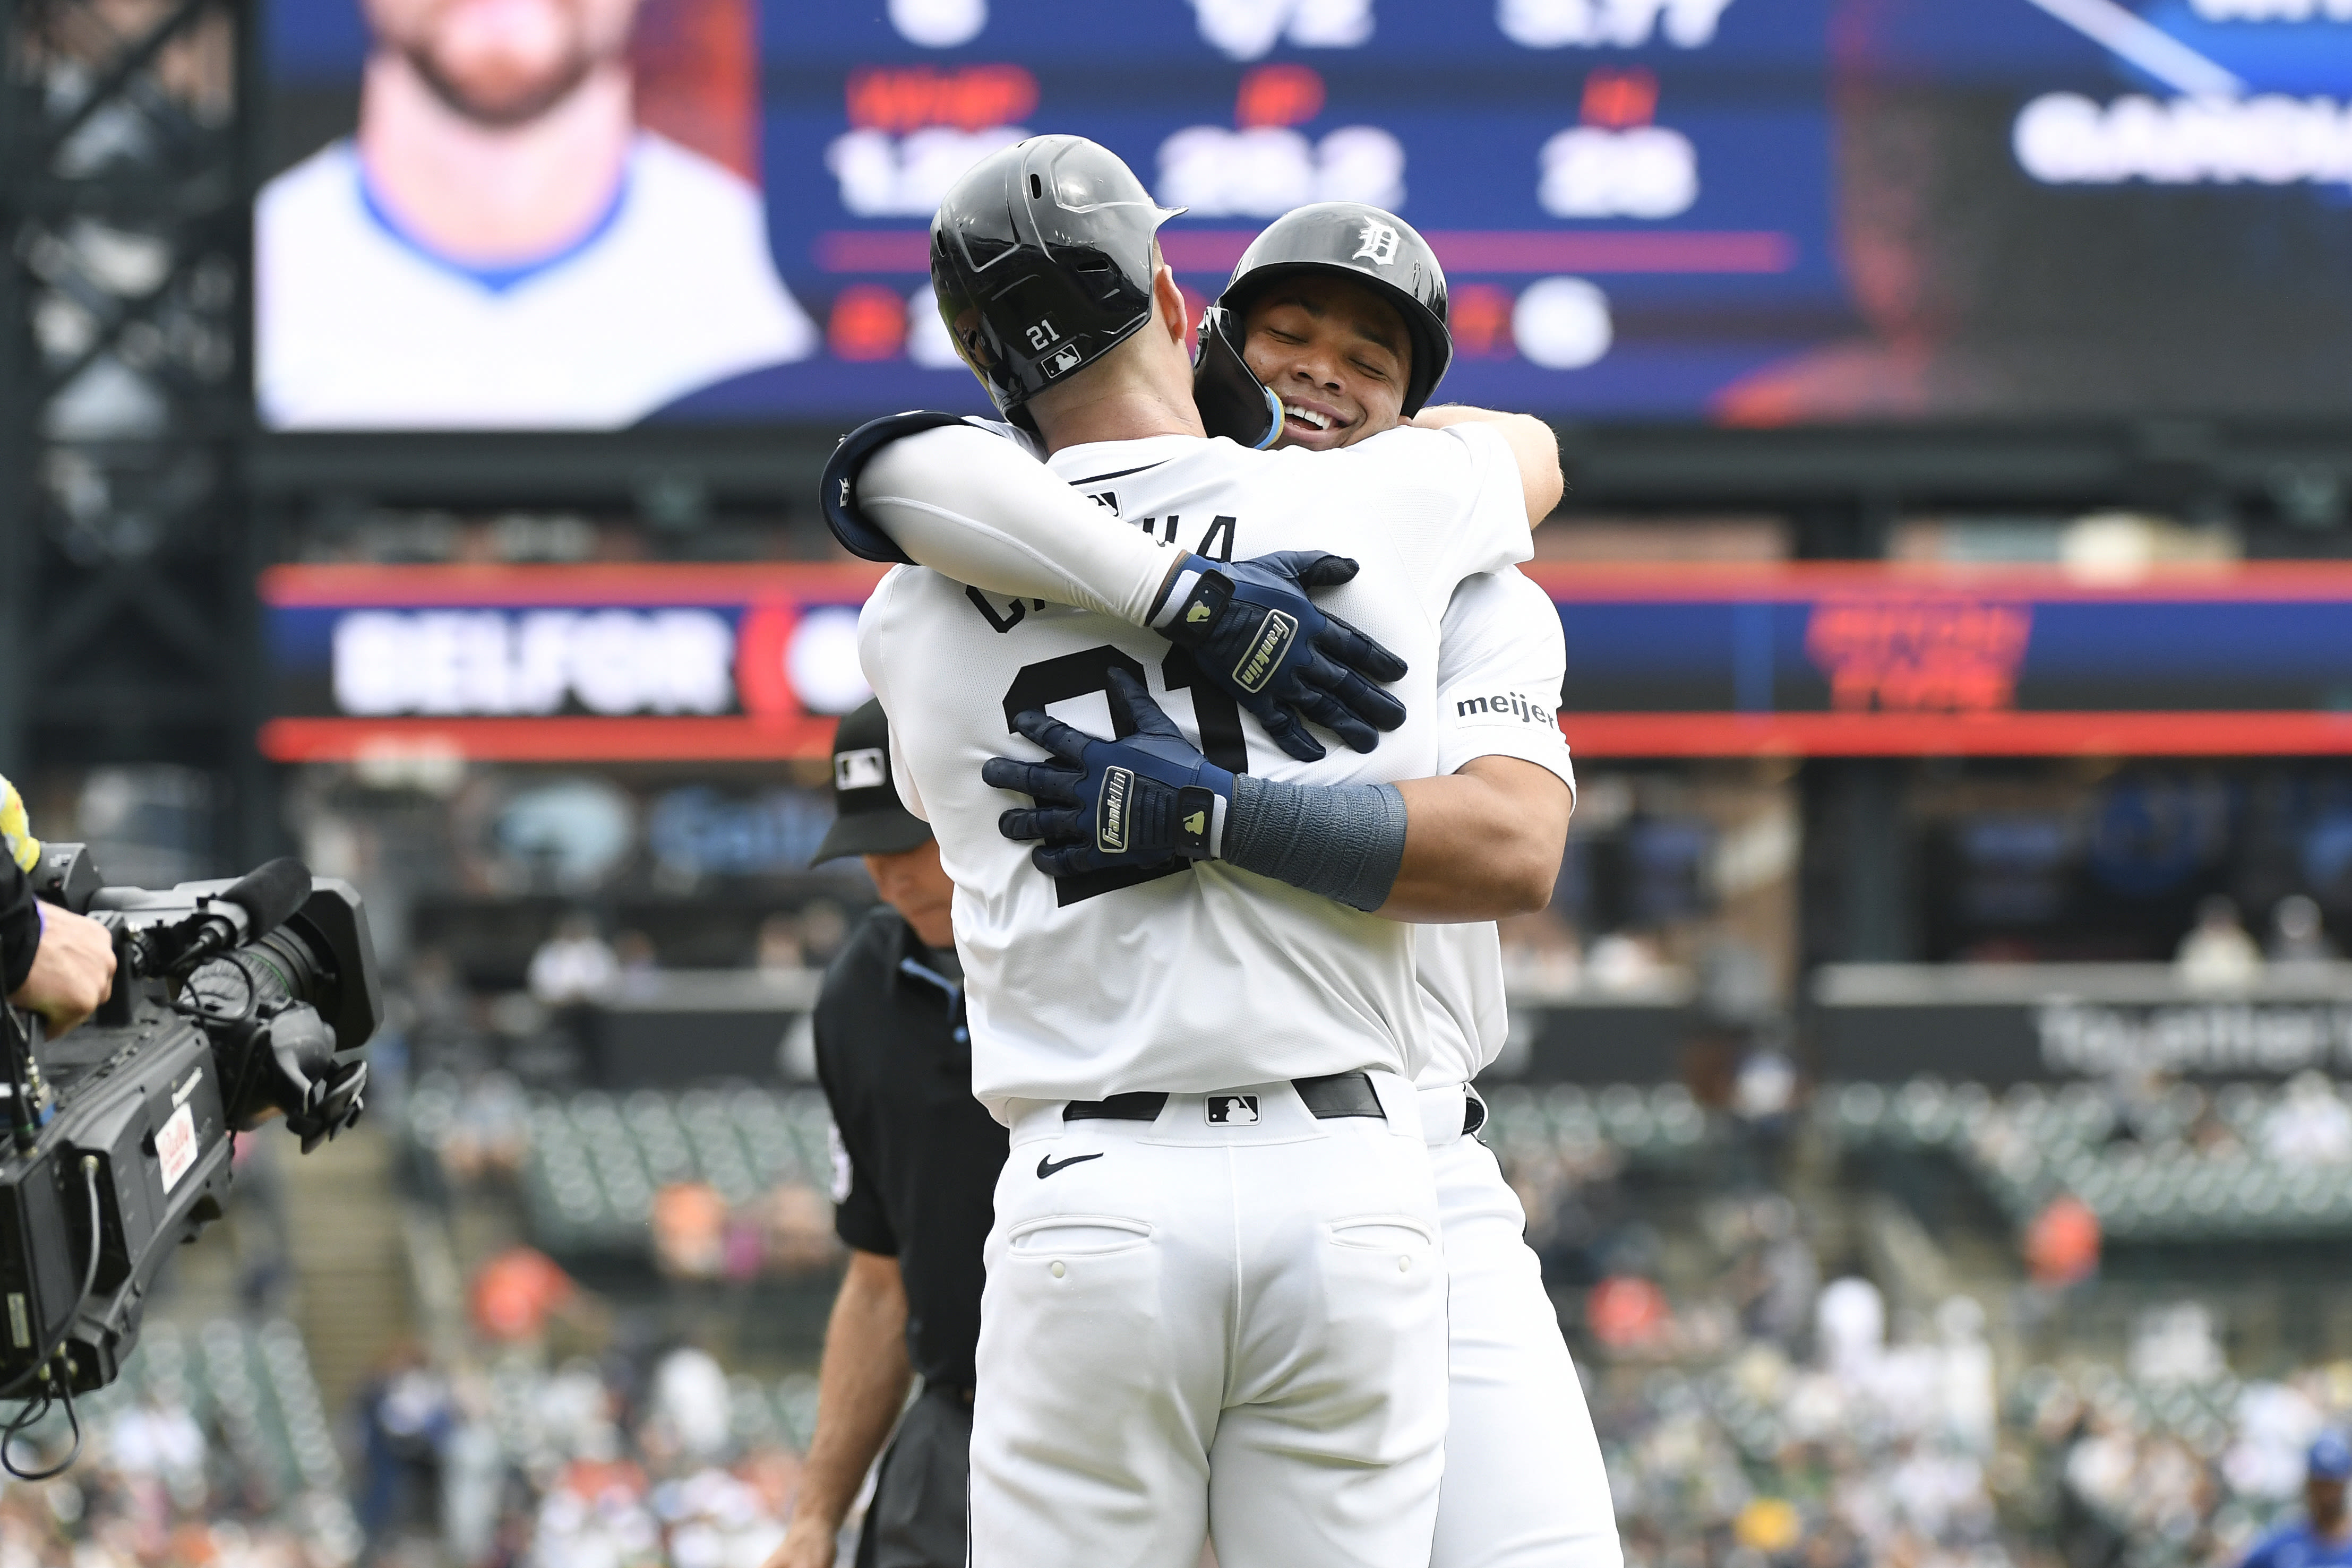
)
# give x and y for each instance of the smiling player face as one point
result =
(1335, 352)
(503, 62)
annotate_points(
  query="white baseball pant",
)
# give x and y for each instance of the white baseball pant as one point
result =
(1231, 1329)
(1525, 1486)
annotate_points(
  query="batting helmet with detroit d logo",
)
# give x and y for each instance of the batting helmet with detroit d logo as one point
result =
(1355, 240)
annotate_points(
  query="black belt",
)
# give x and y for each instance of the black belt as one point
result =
(1337, 1095)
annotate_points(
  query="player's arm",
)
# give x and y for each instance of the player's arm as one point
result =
(1496, 819)
(1150, 796)
(1481, 844)
(930, 490)
(1534, 446)
(862, 1385)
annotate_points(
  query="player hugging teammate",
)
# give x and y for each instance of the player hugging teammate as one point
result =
(1252, 1279)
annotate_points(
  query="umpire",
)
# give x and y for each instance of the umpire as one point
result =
(915, 1166)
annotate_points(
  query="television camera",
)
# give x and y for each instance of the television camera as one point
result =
(234, 1001)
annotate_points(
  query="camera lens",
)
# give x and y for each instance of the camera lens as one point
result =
(284, 966)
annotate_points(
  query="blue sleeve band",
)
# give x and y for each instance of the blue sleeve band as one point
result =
(837, 491)
(1340, 841)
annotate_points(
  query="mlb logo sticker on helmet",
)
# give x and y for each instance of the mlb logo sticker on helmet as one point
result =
(1066, 359)
(1377, 245)
(864, 769)
(1232, 1110)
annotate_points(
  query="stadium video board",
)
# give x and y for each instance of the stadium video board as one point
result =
(1876, 659)
(545, 663)
(588, 214)
(752, 662)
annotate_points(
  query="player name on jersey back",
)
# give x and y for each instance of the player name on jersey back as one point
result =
(1186, 977)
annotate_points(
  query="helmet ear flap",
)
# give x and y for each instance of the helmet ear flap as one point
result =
(1233, 402)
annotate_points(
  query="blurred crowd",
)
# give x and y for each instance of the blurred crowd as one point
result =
(1757, 1416)
(2220, 954)
(1756, 1412)
(1544, 956)
(128, 1504)
(646, 1454)
(577, 964)
(1760, 1402)
(211, 1449)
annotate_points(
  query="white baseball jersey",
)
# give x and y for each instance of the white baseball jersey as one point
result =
(360, 327)
(1499, 677)
(1204, 977)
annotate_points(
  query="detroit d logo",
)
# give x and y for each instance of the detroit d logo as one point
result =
(1376, 244)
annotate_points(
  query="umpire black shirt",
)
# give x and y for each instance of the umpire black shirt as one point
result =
(916, 1160)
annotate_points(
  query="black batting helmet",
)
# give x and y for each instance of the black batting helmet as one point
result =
(1355, 240)
(1041, 258)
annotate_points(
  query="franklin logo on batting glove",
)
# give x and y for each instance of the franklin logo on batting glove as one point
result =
(1110, 816)
(1273, 640)
(1146, 799)
(1252, 630)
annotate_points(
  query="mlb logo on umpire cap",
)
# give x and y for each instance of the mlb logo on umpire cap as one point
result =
(864, 769)
(1232, 1110)
(871, 821)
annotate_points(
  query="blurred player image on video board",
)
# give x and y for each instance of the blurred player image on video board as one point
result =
(504, 242)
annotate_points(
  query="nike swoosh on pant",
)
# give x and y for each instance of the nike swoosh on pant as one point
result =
(1047, 1165)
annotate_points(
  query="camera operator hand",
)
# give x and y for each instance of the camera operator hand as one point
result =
(73, 969)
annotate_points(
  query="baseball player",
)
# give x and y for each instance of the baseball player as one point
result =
(1205, 1303)
(1319, 308)
(1525, 1484)
(501, 245)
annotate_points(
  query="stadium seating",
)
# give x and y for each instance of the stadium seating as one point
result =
(2146, 1182)
(594, 1161)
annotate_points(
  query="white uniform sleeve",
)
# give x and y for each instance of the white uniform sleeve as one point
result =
(1491, 531)
(1501, 660)
(980, 510)
(872, 637)
(1451, 498)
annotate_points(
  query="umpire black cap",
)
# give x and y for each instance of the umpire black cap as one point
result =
(870, 821)
(1041, 258)
(1354, 239)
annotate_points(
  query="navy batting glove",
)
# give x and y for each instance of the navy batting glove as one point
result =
(1251, 629)
(1143, 799)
